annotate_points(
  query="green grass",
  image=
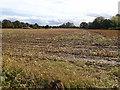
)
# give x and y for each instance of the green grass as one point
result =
(73, 74)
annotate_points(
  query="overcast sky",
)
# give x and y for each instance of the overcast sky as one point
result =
(56, 12)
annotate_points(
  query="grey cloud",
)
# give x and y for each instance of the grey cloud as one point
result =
(44, 21)
(54, 22)
(14, 12)
(99, 15)
(40, 21)
(7, 11)
(13, 15)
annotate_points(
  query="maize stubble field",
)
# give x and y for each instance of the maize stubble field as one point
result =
(78, 58)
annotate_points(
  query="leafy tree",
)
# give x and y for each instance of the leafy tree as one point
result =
(63, 25)
(0, 24)
(7, 24)
(47, 26)
(97, 23)
(67, 25)
(118, 15)
(23, 24)
(106, 24)
(90, 26)
(27, 24)
(116, 21)
(40, 27)
(17, 24)
(84, 25)
(36, 26)
(31, 25)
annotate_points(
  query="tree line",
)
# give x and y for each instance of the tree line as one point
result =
(98, 23)
(102, 23)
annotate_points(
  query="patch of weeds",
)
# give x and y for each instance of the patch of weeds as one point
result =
(98, 38)
(9, 77)
(90, 69)
(17, 35)
(50, 58)
(67, 37)
(39, 82)
(116, 71)
(80, 63)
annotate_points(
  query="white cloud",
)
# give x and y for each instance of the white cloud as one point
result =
(60, 10)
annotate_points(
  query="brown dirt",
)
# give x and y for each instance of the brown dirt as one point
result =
(66, 43)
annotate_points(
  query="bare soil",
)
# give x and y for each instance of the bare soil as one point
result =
(98, 46)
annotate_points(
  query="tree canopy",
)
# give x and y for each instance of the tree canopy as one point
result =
(67, 25)
(102, 23)
(98, 23)
(7, 24)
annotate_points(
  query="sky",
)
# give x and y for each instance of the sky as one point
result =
(56, 12)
